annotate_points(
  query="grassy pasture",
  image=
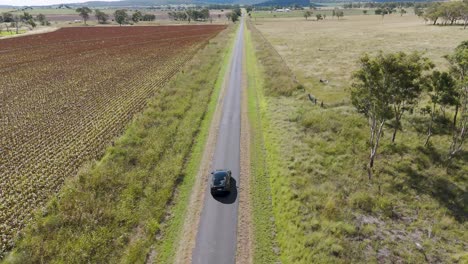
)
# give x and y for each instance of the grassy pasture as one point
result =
(324, 207)
(300, 13)
(52, 11)
(45, 11)
(330, 49)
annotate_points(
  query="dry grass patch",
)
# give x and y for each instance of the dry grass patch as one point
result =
(329, 49)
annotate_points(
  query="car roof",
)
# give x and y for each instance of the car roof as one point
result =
(220, 173)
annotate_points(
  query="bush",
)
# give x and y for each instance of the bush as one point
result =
(363, 201)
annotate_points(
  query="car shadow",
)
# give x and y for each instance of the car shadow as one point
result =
(230, 197)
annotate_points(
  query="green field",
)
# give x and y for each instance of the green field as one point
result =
(325, 208)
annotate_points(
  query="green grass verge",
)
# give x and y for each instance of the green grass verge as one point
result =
(111, 212)
(261, 168)
(167, 247)
(11, 33)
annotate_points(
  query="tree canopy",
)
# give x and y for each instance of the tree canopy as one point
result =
(84, 12)
(191, 14)
(42, 19)
(385, 87)
(101, 16)
(121, 16)
(449, 12)
(459, 69)
(137, 16)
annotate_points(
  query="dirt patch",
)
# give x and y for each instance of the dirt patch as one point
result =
(192, 219)
(244, 224)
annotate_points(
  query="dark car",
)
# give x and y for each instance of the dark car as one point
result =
(220, 182)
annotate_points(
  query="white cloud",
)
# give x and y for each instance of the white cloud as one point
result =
(42, 2)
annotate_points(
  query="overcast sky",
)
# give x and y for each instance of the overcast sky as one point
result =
(42, 2)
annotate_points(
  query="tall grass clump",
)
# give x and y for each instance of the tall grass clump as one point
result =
(278, 78)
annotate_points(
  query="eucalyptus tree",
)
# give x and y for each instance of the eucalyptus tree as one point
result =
(370, 95)
(405, 73)
(442, 93)
(84, 12)
(101, 16)
(121, 16)
(459, 69)
(384, 87)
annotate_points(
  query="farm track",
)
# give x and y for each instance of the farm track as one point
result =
(62, 107)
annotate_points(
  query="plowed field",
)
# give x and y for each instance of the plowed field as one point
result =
(65, 95)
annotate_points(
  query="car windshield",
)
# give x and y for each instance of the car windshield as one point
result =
(219, 178)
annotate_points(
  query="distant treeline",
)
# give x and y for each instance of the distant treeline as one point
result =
(222, 6)
(295, 4)
(196, 15)
(16, 21)
(391, 5)
(448, 13)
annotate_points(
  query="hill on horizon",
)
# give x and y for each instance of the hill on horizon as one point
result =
(136, 3)
(149, 3)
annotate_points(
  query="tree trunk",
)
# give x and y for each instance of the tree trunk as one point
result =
(435, 21)
(429, 134)
(457, 143)
(374, 148)
(394, 134)
(455, 117)
(429, 130)
(369, 168)
(442, 109)
(398, 115)
(459, 133)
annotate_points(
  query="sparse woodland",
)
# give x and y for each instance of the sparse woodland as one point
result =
(388, 86)
(447, 13)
